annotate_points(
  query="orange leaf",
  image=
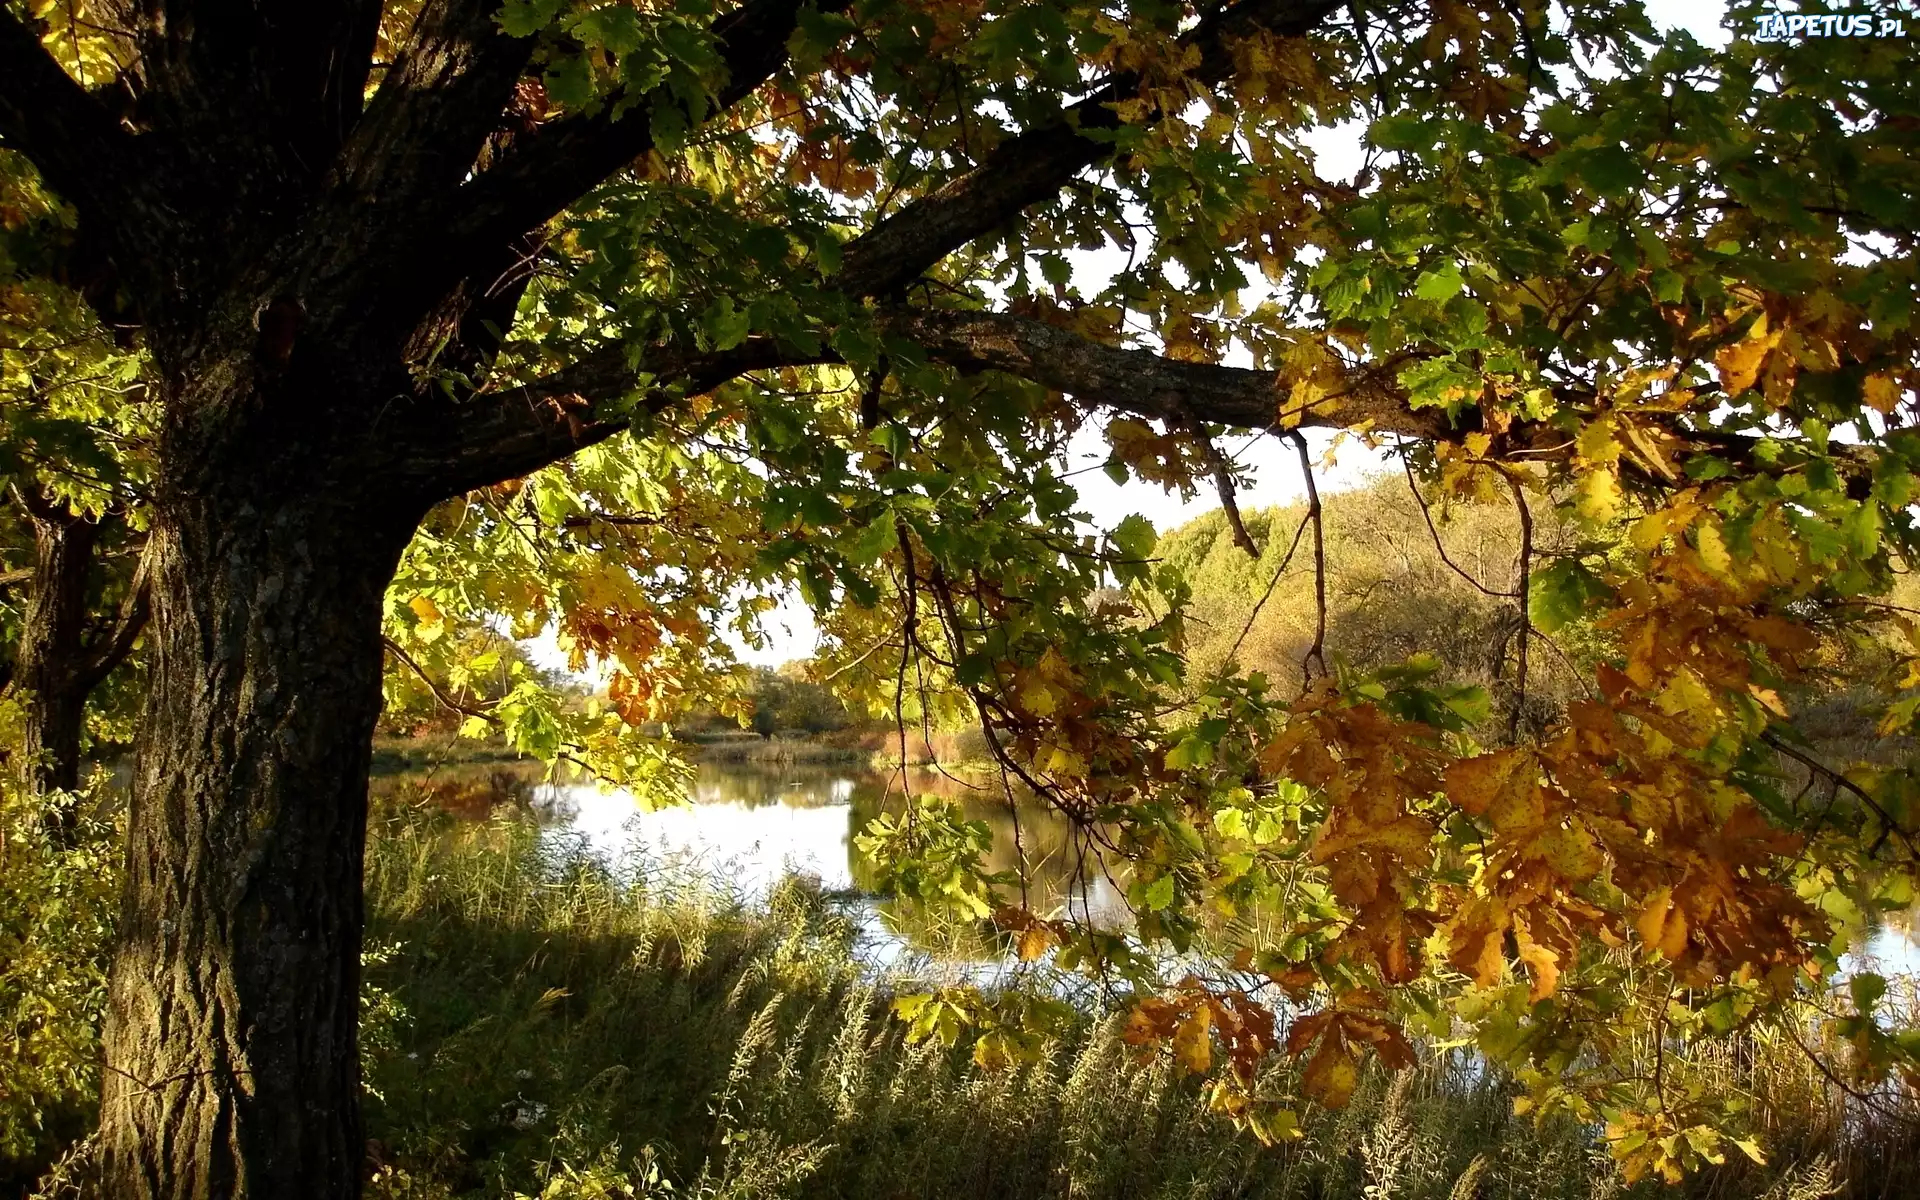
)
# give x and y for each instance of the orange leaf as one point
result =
(1304, 1030)
(1475, 783)
(1542, 964)
(1331, 1074)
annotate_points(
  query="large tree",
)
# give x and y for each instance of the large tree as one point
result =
(380, 255)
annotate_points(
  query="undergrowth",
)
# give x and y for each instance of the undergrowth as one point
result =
(540, 1024)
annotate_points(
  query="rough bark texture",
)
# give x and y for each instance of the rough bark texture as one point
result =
(231, 1040)
(290, 250)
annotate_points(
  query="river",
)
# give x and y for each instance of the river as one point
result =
(749, 825)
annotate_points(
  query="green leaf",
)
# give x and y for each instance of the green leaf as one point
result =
(725, 325)
(1563, 592)
(1866, 988)
(1439, 284)
(524, 18)
(1609, 170)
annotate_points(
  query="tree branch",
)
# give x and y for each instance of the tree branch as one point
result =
(318, 57)
(1316, 654)
(73, 141)
(550, 419)
(1521, 589)
(1033, 166)
(518, 430)
(523, 428)
(112, 650)
(554, 165)
(434, 111)
(439, 693)
(1152, 385)
(1223, 486)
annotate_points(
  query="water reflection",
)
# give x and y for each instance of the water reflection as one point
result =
(751, 825)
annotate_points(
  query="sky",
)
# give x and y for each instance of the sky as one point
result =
(1270, 464)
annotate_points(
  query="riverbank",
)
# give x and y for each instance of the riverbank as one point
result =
(534, 1028)
(878, 750)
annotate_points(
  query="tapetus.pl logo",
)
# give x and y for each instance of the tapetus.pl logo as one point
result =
(1795, 27)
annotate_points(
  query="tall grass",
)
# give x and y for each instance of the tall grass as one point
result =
(541, 1024)
(567, 1033)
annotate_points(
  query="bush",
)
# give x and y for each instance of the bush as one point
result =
(57, 898)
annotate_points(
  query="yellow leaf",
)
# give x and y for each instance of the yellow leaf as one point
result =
(1739, 364)
(1473, 783)
(1713, 551)
(1881, 393)
(1331, 1074)
(1063, 761)
(1502, 786)
(428, 612)
(1661, 924)
(1686, 695)
(1597, 444)
(1039, 698)
(1649, 531)
(1519, 808)
(1543, 965)
(1034, 941)
(1571, 852)
(1598, 495)
(1193, 1042)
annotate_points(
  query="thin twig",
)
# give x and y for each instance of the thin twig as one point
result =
(1272, 584)
(439, 693)
(1526, 619)
(1316, 653)
(1426, 512)
(1842, 783)
(1223, 484)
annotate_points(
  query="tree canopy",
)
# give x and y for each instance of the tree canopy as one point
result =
(624, 316)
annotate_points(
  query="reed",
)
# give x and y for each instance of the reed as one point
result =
(540, 1023)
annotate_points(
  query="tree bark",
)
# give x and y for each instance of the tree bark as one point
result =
(232, 1067)
(47, 666)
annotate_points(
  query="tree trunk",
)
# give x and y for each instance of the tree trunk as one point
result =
(231, 1041)
(48, 666)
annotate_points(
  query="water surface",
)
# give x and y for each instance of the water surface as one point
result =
(749, 825)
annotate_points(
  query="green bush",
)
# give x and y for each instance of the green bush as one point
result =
(57, 898)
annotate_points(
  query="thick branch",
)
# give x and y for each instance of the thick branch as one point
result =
(436, 107)
(546, 421)
(554, 165)
(318, 56)
(64, 132)
(518, 430)
(1033, 166)
(1151, 385)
